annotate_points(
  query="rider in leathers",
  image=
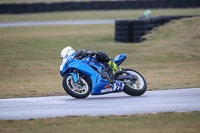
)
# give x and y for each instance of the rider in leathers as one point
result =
(102, 57)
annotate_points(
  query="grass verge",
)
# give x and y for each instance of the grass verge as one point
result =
(30, 56)
(147, 123)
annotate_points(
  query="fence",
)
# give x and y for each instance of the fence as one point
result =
(127, 31)
(95, 5)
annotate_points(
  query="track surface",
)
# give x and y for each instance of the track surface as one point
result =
(179, 100)
(40, 23)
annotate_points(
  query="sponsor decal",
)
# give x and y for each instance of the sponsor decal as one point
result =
(111, 88)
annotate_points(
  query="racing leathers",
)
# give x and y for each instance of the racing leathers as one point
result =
(102, 57)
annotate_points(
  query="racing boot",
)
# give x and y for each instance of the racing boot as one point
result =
(114, 66)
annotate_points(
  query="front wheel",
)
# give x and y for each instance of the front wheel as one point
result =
(136, 88)
(76, 90)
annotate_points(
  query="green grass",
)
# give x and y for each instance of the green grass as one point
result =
(148, 123)
(30, 56)
(91, 15)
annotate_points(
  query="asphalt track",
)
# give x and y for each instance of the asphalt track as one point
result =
(70, 22)
(180, 100)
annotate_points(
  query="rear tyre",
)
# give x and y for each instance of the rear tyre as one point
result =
(135, 89)
(77, 90)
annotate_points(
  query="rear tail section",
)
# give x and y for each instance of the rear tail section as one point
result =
(119, 59)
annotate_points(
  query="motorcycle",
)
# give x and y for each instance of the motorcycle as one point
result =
(82, 77)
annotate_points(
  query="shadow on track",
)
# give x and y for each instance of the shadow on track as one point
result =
(107, 97)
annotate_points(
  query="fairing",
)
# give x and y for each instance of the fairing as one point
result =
(92, 68)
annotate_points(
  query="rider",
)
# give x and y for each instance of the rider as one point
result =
(102, 57)
(146, 14)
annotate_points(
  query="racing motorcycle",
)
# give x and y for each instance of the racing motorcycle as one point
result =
(82, 77)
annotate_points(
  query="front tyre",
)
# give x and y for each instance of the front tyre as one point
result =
(77, 90)
(136, 88)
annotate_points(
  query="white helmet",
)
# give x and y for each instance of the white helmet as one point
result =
(67, 51)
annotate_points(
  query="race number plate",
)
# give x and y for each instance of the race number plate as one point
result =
(115, 88)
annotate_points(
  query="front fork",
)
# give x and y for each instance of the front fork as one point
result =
(76, 76)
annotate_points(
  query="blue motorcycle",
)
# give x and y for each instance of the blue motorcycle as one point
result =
(82, 77)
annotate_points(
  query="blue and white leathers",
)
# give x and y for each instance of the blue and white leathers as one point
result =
(90, 67)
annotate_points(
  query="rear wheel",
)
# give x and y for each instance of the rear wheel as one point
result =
(136, 88)
(76, 90)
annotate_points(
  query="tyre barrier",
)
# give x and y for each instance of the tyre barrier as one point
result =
(95, 5)
(123, 30)
(127, 31)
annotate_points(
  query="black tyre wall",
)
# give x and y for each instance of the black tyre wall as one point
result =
(38, 7)
(3, 8)
(96, 5)
(133, 30)
(123, 31)
(48, 7)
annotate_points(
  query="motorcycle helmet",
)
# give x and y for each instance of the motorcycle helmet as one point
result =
(67, 51)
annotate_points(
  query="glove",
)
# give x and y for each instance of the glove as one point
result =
(91, 53)
(80, 54)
